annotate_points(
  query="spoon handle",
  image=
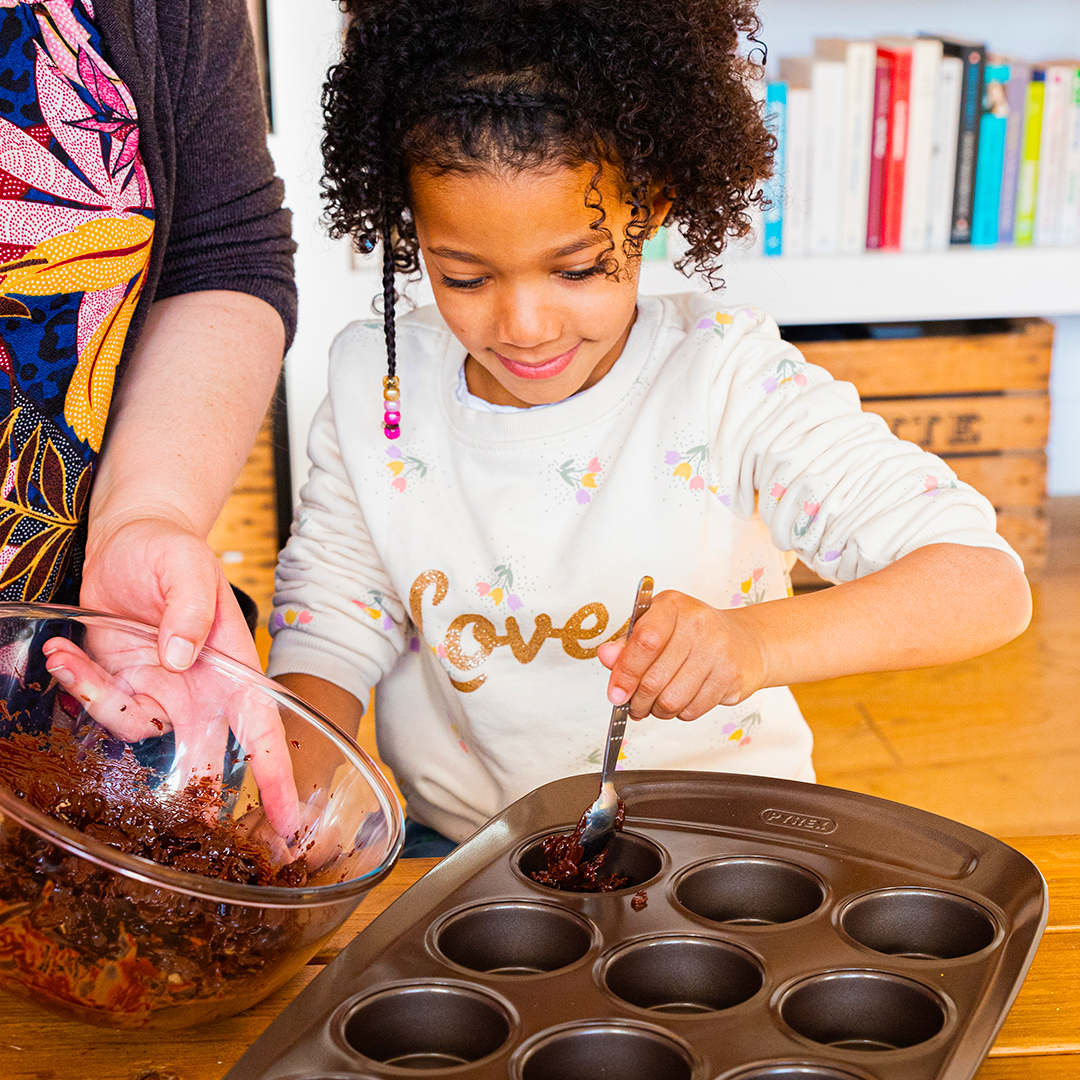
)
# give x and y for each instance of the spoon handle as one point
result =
(617, 726)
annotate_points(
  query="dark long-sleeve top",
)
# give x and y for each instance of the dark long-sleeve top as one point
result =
(219, 221)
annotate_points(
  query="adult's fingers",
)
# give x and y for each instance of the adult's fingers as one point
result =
(188, 580)
(258, 727)
(110, 699)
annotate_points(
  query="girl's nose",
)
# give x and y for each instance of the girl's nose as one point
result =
(525, 319)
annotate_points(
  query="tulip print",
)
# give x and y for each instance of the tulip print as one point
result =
(751, 591)
(809, 513)
(690, 465)
(372, 605)
(582, 477)
(499, 588)
(738, 731)
(788, 370)
(402, 466)
(290, 617)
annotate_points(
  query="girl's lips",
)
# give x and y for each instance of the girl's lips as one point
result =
(546, 370)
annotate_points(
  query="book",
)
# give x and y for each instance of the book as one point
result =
(926, 56)
(1053, 142)
(795, 73)
(1070, 219)
(899, 51)
(879, 149)
(1019, 77)
(989, 166)
(1027, 190)
(827, 78)
(939, 194)
(776, 122)
(858, 58)
(973, 55)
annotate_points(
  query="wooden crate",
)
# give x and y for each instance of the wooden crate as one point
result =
(981, 401)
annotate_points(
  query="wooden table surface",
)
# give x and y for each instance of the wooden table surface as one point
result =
(1039, 1041)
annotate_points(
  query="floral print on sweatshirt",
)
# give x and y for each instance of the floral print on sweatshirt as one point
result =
(581, 477)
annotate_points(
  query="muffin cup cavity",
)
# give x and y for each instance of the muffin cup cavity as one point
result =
(919, 923)
(863, 1010)
(426, 1027)
(587, 1051)
(750, 891)
(629, 856)
(682, 975)
(793, 1071)
(513, 938)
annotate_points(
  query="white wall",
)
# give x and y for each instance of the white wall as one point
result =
(304, 37)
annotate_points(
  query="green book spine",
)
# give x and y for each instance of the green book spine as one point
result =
(1028, 185)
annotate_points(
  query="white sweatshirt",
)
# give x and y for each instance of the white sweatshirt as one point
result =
(470, 569)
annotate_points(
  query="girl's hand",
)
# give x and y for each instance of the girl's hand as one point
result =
(683, 659)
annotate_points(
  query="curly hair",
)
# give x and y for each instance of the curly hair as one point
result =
(659, 89)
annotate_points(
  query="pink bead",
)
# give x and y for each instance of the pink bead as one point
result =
(391, 419)
(392, 432)
(392, 406)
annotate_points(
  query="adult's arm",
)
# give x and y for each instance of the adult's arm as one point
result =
(182, 422)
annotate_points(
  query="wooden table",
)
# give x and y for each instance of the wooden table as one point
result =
(1040, 1039)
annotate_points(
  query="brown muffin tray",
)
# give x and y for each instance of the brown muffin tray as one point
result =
(790, 932)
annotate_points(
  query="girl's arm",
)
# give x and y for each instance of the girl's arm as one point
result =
(937, 605)
(327, 698)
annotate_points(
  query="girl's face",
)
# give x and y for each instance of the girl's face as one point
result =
(511, 259)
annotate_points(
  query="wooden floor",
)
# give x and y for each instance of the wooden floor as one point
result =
(993, 742)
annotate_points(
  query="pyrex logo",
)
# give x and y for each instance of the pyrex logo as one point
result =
(788, 819)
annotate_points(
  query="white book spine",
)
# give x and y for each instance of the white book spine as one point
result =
(1050, 199)
(1070, 216)
(942, 171)
(797, 186)
(754, 242)
(827, 110)
(925, 61)
(855, 157)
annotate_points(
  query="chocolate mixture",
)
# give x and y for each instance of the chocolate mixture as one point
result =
(569, 870)
(79, 935)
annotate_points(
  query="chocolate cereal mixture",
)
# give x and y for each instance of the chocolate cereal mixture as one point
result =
(567, 869)
(86, 939)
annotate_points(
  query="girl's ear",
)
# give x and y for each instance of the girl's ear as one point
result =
(660, 206)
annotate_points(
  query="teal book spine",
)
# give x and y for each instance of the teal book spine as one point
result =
(776, 186)
(990, 163)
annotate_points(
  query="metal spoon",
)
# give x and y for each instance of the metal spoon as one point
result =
(600, 817)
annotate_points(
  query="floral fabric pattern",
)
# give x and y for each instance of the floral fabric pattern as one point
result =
(582, 478)
(76, 227)
(402, 466)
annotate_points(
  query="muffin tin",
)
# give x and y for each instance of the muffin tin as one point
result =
(789, 932)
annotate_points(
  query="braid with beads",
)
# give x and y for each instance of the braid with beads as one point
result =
(391, 391)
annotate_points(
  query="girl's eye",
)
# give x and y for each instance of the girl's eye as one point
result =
(580, 275)
(458, 283)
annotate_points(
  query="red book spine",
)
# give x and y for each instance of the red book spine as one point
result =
(893, 196)
(879, 148)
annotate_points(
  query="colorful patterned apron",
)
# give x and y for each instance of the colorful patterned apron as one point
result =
(76, 226)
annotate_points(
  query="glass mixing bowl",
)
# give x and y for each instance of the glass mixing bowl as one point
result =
(173, 847)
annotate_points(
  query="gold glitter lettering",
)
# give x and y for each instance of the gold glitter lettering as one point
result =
(574, 631)
(483, 634)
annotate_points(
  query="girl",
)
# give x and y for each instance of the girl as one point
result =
(469, 539)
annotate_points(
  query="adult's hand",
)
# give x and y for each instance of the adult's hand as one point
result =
(155, 569)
